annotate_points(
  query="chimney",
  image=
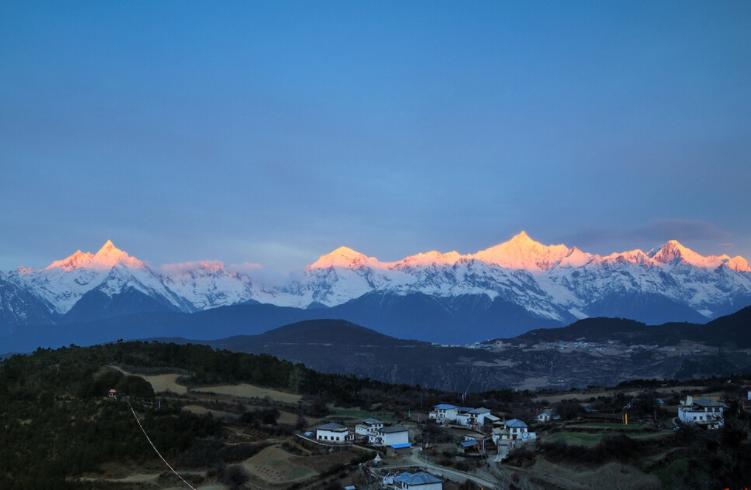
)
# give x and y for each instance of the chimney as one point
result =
(689, 400)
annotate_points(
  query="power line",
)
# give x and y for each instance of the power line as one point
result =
(156, 450)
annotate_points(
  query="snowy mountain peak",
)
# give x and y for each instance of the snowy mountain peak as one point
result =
(736, 263)
(524, 252)
(673, 252)
(523, 237)
(107, 257)
(77, 260)
(344, 257)
(432, 257)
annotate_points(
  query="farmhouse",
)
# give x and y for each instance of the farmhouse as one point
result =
(332, 432)
(368, 427)
(471, 417)
(546, 416)
(704, 412)
(518, 430)
(413, 481)
(444, 413)
(394, 436)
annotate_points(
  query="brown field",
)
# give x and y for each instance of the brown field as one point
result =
(614, 476)
(249, 391)
(161, 383)
(276, 466)
(287, 418)
(201, 410)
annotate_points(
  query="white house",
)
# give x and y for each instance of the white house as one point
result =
(394, 436)
(702, 411)
(546, 416)
(517, 430)
(471, 417)
(413, 481)
(368, 427)
(444, 412)
(332, 432)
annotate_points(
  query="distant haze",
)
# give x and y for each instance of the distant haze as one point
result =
(273, 133)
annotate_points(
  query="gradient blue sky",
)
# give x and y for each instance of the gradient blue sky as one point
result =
(273, 132)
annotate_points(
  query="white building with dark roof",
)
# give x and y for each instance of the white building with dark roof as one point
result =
(704, 412)
(547, 415)
(333, 433)
(394, 436)
(369, 426)
(471, 417)
(445, 413)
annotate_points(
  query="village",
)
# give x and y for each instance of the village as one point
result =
(448, 445)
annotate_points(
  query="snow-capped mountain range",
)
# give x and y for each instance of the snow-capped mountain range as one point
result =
(554, 283)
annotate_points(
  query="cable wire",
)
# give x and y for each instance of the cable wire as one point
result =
(156, 450)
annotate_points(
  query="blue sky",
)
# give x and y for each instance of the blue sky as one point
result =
(273, 132)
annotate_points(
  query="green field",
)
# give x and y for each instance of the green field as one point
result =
(672, 474)
(608, 426)
(587, 439)
(356, 413)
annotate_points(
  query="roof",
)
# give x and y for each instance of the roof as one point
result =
(419, 478)
(708, 402)
(479, 410)
(516, 424)
(372, 421)
(393, 429)
(469, 442)
(492, 417)
(333, 427)
(445, 406)
(401, 446)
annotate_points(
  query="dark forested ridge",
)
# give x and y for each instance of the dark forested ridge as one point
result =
(733, 330)
(632, 350)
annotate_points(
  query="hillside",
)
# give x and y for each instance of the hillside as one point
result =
(732, 330)
(588, 352)
(57, 425)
